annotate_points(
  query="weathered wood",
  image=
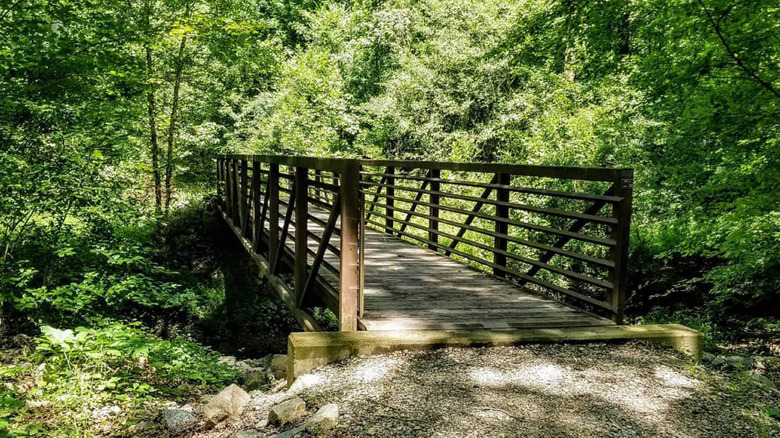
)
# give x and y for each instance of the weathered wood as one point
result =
(515, 206)
(433, 221)
(411, 284)
(301, 231)
(502, 211)
(257, 223)
(320, 255)
(350, 217)
(243, 197)
(470, 218)
(620, 233)
(273, 216)
(335, 164)
(390, 197)
(285, 231)
(528, 243)
(416, 202)
(510, 188)
(306, 351)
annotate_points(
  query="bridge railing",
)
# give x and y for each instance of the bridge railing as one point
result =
(558, 230)
(299, 216)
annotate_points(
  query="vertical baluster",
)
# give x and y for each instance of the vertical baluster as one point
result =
(433, 223)
(229, 188)
(273, 215)
(257, 183)
(623, 187)
(301, 230)
(349, 278)
(502, 211)
(362, 249)
(389, 201)
(243, 197)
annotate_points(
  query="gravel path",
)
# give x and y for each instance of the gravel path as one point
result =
(593, 390)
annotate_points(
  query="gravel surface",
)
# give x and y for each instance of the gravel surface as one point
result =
(553, 390)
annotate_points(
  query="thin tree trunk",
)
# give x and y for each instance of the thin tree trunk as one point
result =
(153, 132)
(570, 43)
(172, 124)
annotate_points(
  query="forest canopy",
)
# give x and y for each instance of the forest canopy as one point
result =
(112, 114)
(112, 111)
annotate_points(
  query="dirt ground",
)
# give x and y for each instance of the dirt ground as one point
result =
(554, 390)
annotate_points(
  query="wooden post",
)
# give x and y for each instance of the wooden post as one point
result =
(433, 223)
(389, 201)
(349, 280)
(273, 215)
(243, 197)
(623, 187)
(362, 252)
(236, 194)
(502, 211)
(219, 181)
(231, 194)
(257, 231)
(301, 230)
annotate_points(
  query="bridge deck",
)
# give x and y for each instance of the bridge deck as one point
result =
(408, 287)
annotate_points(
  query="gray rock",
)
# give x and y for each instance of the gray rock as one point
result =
(228, 404)
(707, 357)
(229, 360)
(736, 361)
(177, 420)
(256, 378)
(279, 366)
(287, 412)
(719, 361)
(324, 420)
(289, 433)
(247, 433)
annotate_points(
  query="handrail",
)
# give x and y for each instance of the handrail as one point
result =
(334, 164)
(548, 228)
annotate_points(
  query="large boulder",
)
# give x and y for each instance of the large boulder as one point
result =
(288, 411)
(227, 405)
(324, 420)
(178, 420)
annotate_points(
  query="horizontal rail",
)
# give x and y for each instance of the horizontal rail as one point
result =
(515, 206)
(516, 189)
(336, 164)
(577, 238)
(533, 227)
(536, 245)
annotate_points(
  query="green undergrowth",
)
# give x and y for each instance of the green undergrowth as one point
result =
(72, 382)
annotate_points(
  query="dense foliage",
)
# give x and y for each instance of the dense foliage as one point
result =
(684, 92)
(111, 113)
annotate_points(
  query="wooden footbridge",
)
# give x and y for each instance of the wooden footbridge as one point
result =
(409, 246)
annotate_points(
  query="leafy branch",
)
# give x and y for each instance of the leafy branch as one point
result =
(737, 59)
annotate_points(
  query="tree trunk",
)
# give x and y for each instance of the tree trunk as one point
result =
(172, 124)
(153, 132)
